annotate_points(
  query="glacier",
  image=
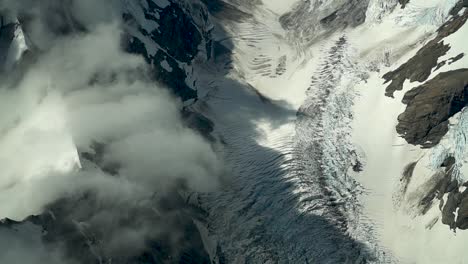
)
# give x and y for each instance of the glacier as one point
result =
(314, 170)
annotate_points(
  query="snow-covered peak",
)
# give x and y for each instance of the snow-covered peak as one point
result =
(12, 41)
(320, 165)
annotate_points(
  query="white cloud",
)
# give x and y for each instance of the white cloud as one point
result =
(84, 89)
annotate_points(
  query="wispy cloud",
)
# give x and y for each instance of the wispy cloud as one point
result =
(83, 91)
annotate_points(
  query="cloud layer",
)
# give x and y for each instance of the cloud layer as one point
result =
(83, 94)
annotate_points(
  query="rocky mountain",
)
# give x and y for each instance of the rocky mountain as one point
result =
(233, 131)
(168, 35)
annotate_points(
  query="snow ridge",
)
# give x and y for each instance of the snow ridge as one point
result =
(421, 12)
(329, 159)
(378, 9)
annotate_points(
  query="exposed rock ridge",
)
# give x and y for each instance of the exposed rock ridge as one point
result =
(419, 67)
(403, 3)
(425, 120)
(182, 31)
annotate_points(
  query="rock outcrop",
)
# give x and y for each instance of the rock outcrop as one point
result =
(425, 120)
(170, 37)
(419, 67)
(403, 3)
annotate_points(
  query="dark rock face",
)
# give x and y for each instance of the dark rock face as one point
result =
(434, 189)
(178, 36)
(224, 10)
(419, 67)
(403, 3)
(425, 120)
(456, 200)
(71, 225)
(351, 14)
(89, 230)
(448, 212)
(177, 33)
(7, 32)
(175, 79)
(456, 58)
(407, 176)
(462, 219)
(431, 190)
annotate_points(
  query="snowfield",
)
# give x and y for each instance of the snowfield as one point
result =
(298, 171)
(313, 163)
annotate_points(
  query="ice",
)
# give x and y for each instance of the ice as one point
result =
(413, 238)
(457, 42)
(378, 9)
(421, 12)
(166, 66)
(313, 159)
(454, 144)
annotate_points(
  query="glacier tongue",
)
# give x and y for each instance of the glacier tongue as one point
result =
(292, 197)
(337, 163)
(315, 170)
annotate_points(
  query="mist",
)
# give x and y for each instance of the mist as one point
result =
(19, 242)
(85, 120)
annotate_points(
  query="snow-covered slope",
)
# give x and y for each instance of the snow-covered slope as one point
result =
(339, 162)
(337, 145)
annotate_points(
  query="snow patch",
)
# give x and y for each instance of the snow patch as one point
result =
(166, 66)
(162, 3)
(425, 12)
